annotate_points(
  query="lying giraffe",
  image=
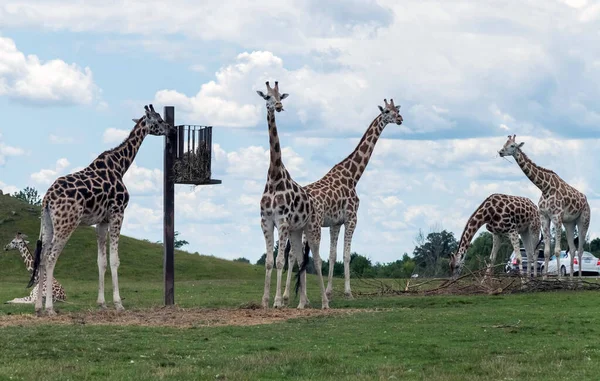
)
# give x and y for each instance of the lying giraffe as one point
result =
(337, 192)
(95, 195)
(20, 243)
(502, 214)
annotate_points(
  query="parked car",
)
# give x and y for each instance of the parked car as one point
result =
(565, 264)
(513, 264)
(591, 264)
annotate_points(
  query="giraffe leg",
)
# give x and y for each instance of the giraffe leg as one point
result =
(349, 226)
(58, 244)
(514, 240)
(547, 237)
(495, 248)
(114, 230)
(26, 300)
(101, 232)
(296, 239)
(531, 258)
(583, 224)
(283, 232)
(334, 232)
(41, 280)
(570, 233)
(267, 228)
(557, 222)
(291, 263)
(314, 241)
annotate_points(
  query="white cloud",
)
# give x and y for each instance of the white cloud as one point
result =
(8, 189)
(115, 135)
(140, 180)
(28, 79)
(46, 176)
(8, 151)
(55, 139)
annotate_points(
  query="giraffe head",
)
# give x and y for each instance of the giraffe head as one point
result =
(17, 242)
(511, 147)
(273, 97)
(457, 260)
(154, 122)
(391, 113)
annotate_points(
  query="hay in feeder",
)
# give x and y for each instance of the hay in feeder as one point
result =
(193, 167)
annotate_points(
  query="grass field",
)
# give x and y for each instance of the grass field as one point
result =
(215, 334)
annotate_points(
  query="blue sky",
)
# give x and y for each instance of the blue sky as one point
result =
(467, 74)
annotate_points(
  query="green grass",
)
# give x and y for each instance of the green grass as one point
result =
(542, 336)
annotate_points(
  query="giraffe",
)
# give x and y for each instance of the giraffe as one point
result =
(287, 206)
(337, 192)
(95, 195)
(501, 214)
(559, 204)
(20, 243)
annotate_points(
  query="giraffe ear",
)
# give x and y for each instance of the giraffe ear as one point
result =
(136, 121)
(284, 95)
(262, 95)
(521, 144)
(27, 242)
(380, 108)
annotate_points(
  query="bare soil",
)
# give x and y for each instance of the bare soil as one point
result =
(175, 317)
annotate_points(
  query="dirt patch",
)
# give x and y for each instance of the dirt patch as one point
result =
(176, 317)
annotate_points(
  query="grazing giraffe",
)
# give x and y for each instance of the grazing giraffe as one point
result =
(337, 192)
(287, 206)
(96, 195)
(19, 243)
(560, 204)
(502, 214)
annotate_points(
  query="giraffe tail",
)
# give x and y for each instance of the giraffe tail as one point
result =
(37, 255)
(540, 241)
(302, 268)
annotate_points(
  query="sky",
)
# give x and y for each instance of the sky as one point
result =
(466, 74)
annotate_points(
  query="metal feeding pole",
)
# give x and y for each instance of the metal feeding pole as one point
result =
(186, 173)
(169, 208)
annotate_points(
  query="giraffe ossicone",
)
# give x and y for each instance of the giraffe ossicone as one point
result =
(95, 195)
(336, 192)
(19, 242)
(559, 204)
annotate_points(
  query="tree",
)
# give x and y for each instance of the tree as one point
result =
(595, 246)
(179, 243)
(242, 260)
(432, 252)
(360, 265)
(263, 258)
(29, 195)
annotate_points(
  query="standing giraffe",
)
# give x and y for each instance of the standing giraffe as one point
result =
(96, 195)
(560, 204)
(502, 214)
(287, 206)
(337, 192)
(19, 243)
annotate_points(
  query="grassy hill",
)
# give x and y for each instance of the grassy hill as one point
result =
(140, 260)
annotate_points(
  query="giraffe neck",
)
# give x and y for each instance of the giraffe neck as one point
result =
(120, 158)
(276, 165)
(540, 176)
(475, 222)
(27, 257)
(357, 161)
